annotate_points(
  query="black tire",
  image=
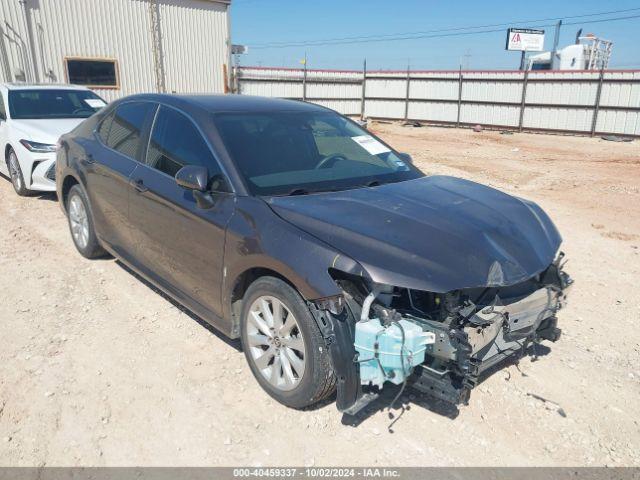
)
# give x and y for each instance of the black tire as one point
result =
(318, 380)
(92, 248)
(16, 176)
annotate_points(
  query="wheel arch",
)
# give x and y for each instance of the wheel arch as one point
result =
(7, 149)
(239, 288)
(26, 162)
(68, 182)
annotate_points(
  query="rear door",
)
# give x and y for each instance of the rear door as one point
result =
(109, 162)
(180, 244)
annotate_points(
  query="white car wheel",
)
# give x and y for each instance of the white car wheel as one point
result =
(15, 173)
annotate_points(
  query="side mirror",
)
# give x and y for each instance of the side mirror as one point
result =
(406, 157)
(193, 177)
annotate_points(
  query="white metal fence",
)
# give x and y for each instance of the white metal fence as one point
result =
(582, 102)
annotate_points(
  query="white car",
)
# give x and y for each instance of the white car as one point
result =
(32, 118)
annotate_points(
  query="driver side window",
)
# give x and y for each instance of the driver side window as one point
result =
(175, 142)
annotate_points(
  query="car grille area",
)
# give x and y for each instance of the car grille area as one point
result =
(51, 173)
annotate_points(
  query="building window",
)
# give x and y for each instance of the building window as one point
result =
(92, 72)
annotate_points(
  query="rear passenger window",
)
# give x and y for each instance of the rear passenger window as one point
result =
(126, 127)
(104, 127)
(176, 142)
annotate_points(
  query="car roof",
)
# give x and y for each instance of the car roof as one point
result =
(42, 86)
(228, 103)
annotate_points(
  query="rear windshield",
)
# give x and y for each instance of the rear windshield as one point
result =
(49, 103)
(280, 153)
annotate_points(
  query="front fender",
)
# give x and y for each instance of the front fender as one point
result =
(258, 238)
(66, 169)
(26, 160)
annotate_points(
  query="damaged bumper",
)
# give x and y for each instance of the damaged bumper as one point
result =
(438, 344)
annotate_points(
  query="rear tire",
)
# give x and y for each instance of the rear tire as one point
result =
(288, 358)
(15, 174)
(81, 224)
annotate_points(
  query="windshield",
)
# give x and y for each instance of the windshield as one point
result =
(49, 103)
(287, 153)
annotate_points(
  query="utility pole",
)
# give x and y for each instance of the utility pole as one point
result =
(407, 92)
(364, 91)
(304, 78)
(554, 51)
(467, 59)
(459, 96)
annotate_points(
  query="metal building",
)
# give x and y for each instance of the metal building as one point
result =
(117, 47)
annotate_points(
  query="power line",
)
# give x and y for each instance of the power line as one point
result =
(602, 20)
(439, 32)
(451, 29)
(243, 2)
(446, 29)
(442, 35)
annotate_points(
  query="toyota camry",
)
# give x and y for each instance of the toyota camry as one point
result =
(336, 261)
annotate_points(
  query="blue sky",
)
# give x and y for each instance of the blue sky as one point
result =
(256, 22)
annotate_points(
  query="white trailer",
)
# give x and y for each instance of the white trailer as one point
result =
(588, 53)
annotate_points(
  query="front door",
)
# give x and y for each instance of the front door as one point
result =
(180, 244)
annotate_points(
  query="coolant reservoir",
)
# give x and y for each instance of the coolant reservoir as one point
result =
(388, 365)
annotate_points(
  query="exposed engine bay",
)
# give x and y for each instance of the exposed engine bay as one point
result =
(437, 343)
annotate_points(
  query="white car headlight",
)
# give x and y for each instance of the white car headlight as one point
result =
(38, 147)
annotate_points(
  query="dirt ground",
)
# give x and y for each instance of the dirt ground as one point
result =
(97, 368)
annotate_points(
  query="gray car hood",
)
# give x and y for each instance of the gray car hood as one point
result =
(434, 233)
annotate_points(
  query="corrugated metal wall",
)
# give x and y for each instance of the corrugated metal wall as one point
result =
(194, 41)
(339, 91)
(561, 101)
(194, 34)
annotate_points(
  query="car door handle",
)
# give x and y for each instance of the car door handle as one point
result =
(139, 186)
(88, 159)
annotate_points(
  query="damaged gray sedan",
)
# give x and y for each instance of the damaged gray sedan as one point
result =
(336, 261)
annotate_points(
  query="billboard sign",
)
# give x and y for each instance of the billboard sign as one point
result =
(525, 39)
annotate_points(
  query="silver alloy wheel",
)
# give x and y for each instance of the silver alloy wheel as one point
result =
(276, 343)
(14, 171)
(79, 221)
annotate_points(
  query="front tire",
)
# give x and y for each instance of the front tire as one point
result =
(283, 345)
(81, 224)
(15, 173)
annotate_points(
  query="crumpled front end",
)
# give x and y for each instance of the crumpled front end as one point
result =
(436, 343)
